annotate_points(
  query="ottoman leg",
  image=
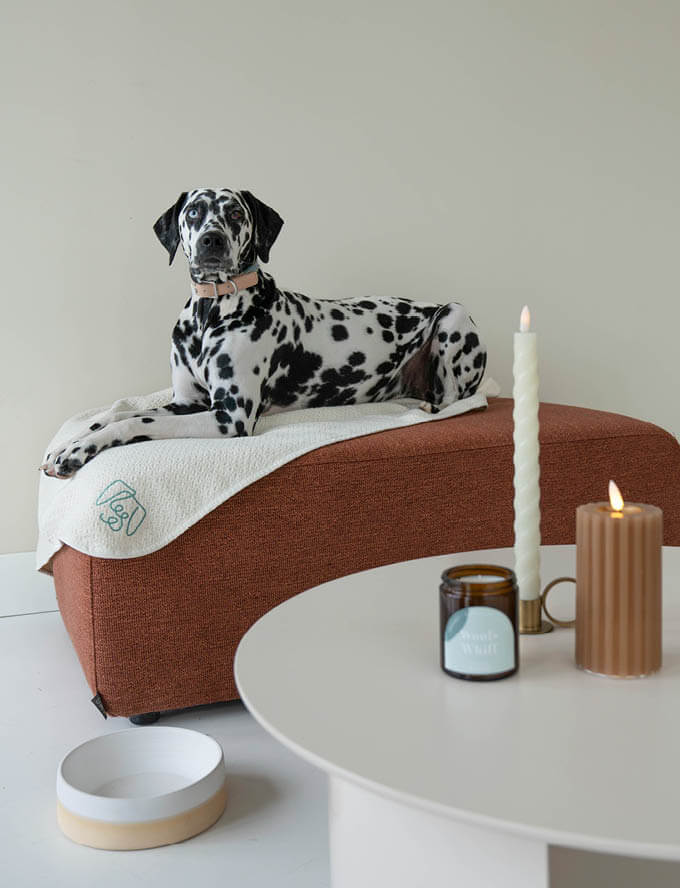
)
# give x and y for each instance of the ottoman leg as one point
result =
(146, 718)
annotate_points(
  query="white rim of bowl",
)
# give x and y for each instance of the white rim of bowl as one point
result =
(138, 810)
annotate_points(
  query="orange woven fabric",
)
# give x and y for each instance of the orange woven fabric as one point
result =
(160, 632)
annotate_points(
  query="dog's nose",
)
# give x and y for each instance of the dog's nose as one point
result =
(212, 241)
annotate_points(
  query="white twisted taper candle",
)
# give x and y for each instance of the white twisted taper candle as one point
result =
(525, 437)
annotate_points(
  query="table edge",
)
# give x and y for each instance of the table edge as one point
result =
(580, 841)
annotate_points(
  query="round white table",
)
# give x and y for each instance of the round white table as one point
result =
(435, 778)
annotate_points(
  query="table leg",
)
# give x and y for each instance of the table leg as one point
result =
(375, 840)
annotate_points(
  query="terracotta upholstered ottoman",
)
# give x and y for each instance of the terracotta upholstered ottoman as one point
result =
(160, 632)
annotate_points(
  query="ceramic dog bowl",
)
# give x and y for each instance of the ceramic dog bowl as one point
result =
(141, 788)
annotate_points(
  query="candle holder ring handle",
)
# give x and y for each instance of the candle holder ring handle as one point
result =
(565, 624)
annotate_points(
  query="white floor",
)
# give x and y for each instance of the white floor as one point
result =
(273, 832)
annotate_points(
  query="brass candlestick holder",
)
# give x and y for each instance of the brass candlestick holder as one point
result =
(530, 622)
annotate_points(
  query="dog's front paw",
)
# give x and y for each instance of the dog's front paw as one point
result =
(66, 461)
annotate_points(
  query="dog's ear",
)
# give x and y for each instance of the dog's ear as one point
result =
(267, 224)
(167, 226)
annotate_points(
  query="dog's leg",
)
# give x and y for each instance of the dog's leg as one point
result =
(225, 418)
(457, 357)
(127, 427)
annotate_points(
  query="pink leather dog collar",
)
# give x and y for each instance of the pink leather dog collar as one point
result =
(230, 287)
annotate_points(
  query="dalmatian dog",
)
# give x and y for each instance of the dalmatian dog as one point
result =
(242, 347)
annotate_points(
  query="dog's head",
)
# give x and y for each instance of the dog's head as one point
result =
(222, 232)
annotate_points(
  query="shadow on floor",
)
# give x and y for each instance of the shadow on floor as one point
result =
(587, 869)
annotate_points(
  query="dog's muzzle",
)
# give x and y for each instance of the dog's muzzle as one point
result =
(212, 248)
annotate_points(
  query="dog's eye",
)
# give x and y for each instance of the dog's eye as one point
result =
(193, 213)
(236, 215)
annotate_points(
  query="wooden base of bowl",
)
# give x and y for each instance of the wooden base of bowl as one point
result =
(148, 834)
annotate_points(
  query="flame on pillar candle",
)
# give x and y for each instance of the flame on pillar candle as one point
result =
(525, 320)
(615, 498)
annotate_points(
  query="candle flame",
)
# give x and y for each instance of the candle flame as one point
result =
(615, 498)
(525, 320)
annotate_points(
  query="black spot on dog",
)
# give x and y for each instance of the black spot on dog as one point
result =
(406, 325)
(337, 315)
(224, 367)
(299, 365)
(455, 336)
(295, 301)
(335, 388)
(357, 358)
(138, 439)
(388, 336)
(202, 310)
(339, 332)
(384, 320)
(183, 409)
(471, 341)
(95, 426)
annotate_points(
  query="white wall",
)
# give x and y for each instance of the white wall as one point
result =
(496, 153)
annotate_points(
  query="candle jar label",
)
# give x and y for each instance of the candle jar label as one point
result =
(479, 641)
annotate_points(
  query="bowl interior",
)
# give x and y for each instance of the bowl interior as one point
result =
(141, 762)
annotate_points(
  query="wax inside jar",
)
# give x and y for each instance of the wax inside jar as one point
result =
(481, 578)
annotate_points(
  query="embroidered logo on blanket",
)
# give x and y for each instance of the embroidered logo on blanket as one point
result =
(124, 510)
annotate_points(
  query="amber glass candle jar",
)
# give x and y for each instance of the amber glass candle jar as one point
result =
(478, 622)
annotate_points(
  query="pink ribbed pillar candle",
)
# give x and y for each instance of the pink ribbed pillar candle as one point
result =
(618, 589)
